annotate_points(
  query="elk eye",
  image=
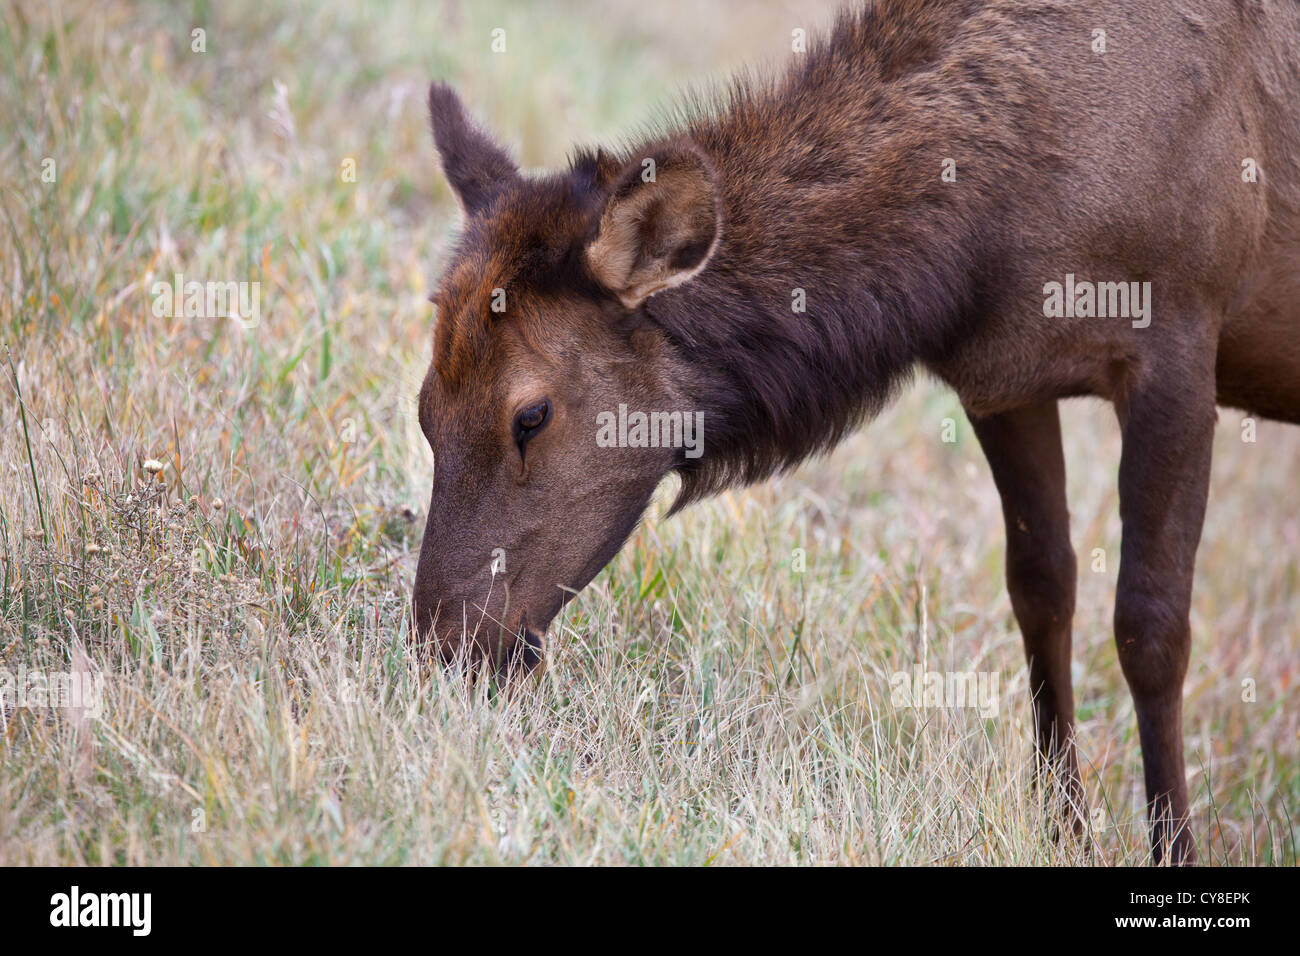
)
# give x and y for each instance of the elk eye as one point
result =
(529, 421)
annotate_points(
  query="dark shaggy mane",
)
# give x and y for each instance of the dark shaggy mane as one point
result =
(831, 180)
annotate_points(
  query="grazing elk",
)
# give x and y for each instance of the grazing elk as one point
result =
(997, 192)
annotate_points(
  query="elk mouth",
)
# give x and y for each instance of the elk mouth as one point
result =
(524, 655)
(517, 652)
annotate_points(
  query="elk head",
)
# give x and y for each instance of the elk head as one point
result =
(542, 334)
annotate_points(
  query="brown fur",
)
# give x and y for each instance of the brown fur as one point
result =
(676, 294)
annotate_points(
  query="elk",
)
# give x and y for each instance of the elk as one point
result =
(929, 177)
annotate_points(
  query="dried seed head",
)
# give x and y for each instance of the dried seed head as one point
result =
(152, 465)
(218, 504)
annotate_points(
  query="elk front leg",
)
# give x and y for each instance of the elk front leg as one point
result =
(1023, 448)
(1167, 418)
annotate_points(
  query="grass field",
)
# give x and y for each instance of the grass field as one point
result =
(720, 695)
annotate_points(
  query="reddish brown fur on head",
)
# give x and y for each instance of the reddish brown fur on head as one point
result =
(540, 329)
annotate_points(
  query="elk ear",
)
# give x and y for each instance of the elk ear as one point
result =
(660, 225)
(475, 166)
